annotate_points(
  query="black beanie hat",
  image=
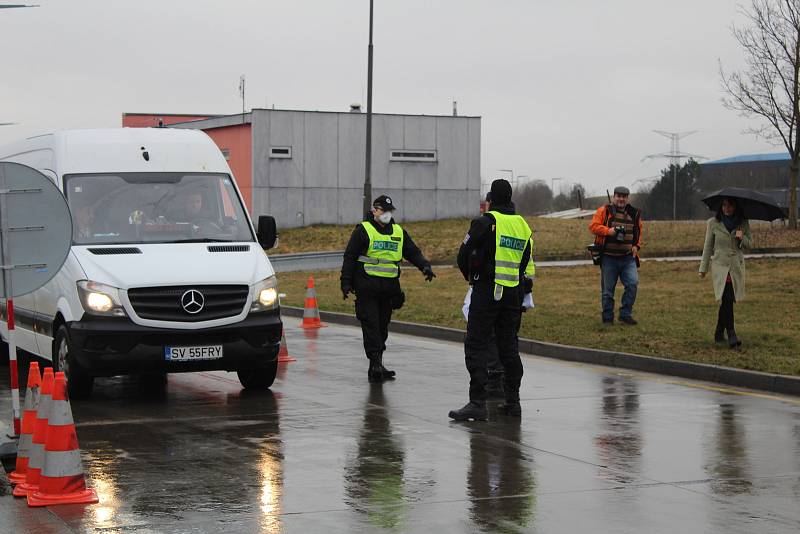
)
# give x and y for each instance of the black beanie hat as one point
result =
(501, 192)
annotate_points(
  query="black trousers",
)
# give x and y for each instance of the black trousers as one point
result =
(502, 316)
(725, 314)
(375, 313)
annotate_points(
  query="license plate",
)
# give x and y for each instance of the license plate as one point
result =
(185, 354)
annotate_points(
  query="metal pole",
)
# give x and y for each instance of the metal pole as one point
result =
(675, 191)
(5, 264)
(368, 166)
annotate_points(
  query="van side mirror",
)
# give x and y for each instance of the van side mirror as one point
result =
(267, 232)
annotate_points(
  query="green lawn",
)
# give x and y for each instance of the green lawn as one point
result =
(439, 240)
(676, 311)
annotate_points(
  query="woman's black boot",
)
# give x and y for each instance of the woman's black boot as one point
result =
(733, 341)
(719, 334)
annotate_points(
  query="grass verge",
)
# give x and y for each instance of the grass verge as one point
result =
(439, 240)
(676, 311)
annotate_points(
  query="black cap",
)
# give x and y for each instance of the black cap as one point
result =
(384, 202)
(622, 190)
(488, 196)
(501, 192)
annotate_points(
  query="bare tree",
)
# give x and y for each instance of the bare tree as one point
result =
(768, 88)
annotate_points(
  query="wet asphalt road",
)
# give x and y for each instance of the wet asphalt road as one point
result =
(597, 450)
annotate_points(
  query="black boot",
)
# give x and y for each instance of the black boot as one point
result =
(733, 341)
(471, 410)
(386, 373)
(719, 334)
(375, 371)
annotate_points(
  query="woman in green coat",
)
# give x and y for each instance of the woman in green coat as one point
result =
(727, 234)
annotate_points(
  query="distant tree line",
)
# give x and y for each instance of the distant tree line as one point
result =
(536, 197)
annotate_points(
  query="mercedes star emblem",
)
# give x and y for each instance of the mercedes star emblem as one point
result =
(192, 301)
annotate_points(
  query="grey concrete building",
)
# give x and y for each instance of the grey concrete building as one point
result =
(307, 167)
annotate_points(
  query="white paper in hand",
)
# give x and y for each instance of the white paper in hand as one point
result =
(467, 300)
(527, 302)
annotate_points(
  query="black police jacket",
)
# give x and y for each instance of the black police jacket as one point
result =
(476, 254)
(353, 274)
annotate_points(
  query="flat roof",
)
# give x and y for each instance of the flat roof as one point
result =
(137, 114)
(750, 158)
(364, 112)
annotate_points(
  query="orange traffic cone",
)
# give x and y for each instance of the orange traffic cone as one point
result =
(36, 457)
(62, 480)
(283, 353)
(28, 424)
(311, 310)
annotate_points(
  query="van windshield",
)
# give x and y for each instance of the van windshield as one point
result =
(155, 208)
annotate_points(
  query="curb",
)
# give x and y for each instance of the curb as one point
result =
(784, 384)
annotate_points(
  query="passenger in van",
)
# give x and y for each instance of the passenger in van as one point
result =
(84, 219)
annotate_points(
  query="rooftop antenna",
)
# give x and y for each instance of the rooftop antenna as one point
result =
(241, 94)
(455, 107)
(674, 155)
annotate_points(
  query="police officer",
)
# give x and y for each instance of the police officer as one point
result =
(495, 257)
(371, 270)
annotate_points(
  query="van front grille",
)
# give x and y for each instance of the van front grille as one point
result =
(228, 248)
(188, 303)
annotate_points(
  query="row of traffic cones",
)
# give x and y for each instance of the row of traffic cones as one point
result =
(49, 469)
(310, 320)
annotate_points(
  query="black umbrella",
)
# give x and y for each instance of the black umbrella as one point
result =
(754, 205)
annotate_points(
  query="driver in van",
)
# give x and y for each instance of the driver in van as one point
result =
(193, 207)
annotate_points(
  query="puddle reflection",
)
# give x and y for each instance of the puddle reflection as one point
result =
(500, 482)
(728, 463)
(619, 440)
(374, 478)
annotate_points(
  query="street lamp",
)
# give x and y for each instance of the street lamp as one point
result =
(368, 169)
(553, 185)
(553, 191)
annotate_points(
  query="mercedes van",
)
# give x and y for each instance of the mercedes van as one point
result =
(166, 272)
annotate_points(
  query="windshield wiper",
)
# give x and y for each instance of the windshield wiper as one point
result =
(203, 240)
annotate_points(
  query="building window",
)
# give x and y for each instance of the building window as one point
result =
(413, 155)
(278, 152)
(226, 153)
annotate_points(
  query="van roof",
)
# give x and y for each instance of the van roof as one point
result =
(123, 150)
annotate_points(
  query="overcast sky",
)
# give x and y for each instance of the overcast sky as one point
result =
(569, 88)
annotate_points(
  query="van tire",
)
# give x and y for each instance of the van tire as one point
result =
(261, 378)
(79, 382)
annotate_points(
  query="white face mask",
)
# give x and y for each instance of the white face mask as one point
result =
(385, 217)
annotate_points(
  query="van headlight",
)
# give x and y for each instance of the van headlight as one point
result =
(100, 299)
(265, 295)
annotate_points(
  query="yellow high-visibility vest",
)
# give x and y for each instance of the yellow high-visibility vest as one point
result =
(384, 253)
(512, 235)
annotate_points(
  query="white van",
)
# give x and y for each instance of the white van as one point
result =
(166, 272)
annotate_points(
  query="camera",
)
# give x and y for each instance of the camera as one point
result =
(620, 235)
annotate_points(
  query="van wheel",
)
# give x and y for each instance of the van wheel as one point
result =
(79, 382)
(261, 378)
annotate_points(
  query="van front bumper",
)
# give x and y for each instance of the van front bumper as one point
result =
(107, 346)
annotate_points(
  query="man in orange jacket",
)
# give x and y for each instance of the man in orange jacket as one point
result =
(618, 232)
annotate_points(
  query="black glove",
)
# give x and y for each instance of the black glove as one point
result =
(428, 272)
(527, 284)
(346, 289)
